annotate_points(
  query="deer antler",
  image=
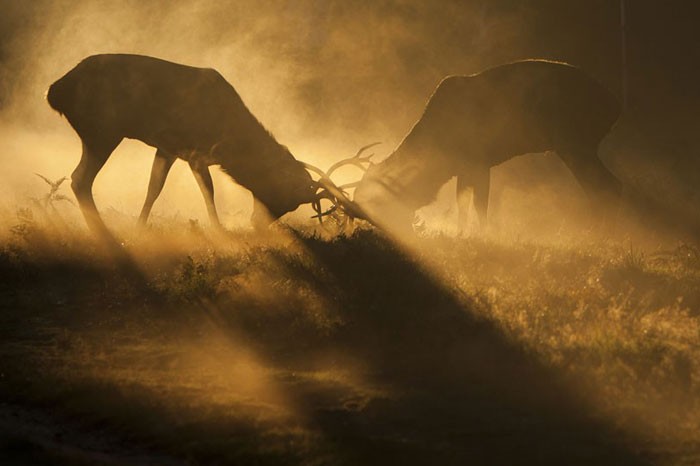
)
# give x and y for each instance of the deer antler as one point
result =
(356, 160)
(336, 194)
(314, 169)
(316, 204)
(328, 190)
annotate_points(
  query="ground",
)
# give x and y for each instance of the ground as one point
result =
(293, 348)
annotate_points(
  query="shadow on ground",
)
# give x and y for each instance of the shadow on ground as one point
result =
(464, 394)
(448, 387)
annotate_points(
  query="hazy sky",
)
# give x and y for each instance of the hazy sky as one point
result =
(348, 66)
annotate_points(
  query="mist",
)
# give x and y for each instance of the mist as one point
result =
(324, 77)
(328, 77)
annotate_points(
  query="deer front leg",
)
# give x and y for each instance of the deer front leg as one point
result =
(206, 185)
(601, 186)
(479, 179)
(261, 217)
(161, 167)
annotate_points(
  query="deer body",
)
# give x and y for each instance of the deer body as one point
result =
(472, 123)
(185, 112)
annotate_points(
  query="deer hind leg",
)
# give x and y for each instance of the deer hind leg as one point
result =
(464, 200)
(601, 186)
(162, 163)
(261, 217)
(92, 160)
(206, 185)
(479, 179)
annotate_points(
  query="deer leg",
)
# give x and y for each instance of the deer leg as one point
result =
(601, 186)
(206, 185)
(480, 179)
(464, 200)
(92, 160)
(261, 218)
(161, 166)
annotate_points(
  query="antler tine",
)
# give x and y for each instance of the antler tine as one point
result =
(345, 186)
(364, 148)
(356, 160)
(314, 169)
(317, 208)
(320, 215)
(337, 194)
(316, 204)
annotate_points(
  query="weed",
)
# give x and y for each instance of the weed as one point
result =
(193, 280)
(27, 227)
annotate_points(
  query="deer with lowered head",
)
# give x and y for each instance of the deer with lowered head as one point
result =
(184, 112)
(472, 123)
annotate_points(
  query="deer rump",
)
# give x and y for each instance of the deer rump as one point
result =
(472, 123)
(185, 112)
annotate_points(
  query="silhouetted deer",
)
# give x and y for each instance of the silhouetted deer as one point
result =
(472, 123)
(185, 112)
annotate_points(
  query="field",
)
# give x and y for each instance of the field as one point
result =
(294, 348)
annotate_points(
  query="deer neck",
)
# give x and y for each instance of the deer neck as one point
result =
(418, 169)
(271, 173)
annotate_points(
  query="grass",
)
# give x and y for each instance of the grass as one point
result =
(295, 349)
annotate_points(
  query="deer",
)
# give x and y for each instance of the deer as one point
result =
(185, 112)
(472, 123)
